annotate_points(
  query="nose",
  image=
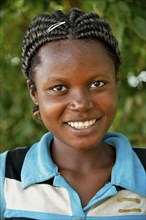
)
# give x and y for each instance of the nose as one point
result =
(80, 101)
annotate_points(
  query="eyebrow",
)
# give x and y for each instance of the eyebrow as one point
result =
(94, 75)
(54, 78)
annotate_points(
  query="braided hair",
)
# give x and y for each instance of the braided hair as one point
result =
(58, 26)
(75, 25)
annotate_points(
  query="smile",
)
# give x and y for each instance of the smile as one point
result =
(82, 124)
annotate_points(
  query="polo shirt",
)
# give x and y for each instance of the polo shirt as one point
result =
(34, 189)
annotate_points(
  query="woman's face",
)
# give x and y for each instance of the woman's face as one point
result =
(76, 91)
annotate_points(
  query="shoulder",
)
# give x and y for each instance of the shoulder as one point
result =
(11, 163)
(141, 153)
(14, 161)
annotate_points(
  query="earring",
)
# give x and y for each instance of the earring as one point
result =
(36, 113)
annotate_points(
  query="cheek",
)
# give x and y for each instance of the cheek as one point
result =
(51, 110)
(109, 103)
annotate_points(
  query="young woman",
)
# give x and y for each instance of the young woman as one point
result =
(77, 170)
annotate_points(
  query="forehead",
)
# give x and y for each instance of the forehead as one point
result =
(69, 54)
(68, 47)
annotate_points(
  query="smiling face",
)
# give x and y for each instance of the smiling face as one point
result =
(76, 91)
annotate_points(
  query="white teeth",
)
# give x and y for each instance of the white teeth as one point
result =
(81, 124)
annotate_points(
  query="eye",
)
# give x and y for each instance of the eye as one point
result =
(97, 84)
(59, 88)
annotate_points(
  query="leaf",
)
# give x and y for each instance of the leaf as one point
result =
(138, 25)
(123, 8)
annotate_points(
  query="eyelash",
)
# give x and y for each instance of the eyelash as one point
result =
(59, 88)
(62, 88)
(100, 84)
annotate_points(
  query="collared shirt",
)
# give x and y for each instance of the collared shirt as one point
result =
(40, 192)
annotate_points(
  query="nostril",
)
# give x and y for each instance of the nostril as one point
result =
(82, 105)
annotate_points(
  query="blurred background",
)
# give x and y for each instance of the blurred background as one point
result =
(128, 21)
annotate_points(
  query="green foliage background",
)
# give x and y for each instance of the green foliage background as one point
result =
(128, 21)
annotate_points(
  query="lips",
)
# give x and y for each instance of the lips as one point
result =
(82, 124)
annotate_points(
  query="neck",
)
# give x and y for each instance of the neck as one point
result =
(81, 160)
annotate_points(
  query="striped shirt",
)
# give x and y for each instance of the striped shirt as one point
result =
(32, 187)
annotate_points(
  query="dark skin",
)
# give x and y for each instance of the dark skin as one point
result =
(84, 174)
(77, 97)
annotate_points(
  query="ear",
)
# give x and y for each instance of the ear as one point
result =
(32, 91)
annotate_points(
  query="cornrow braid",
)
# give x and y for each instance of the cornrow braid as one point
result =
(74, 25)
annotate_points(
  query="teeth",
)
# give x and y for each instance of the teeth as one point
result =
(81, 124)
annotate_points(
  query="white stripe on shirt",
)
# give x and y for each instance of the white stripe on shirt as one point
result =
(125, 202)
(37, 198)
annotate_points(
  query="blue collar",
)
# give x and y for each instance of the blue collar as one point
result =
(127, 172)
(38, 165)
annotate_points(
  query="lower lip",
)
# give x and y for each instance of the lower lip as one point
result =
(85, 131)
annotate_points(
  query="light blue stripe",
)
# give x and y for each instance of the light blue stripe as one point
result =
(45, 216)
(10, 213)
(124, 217)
